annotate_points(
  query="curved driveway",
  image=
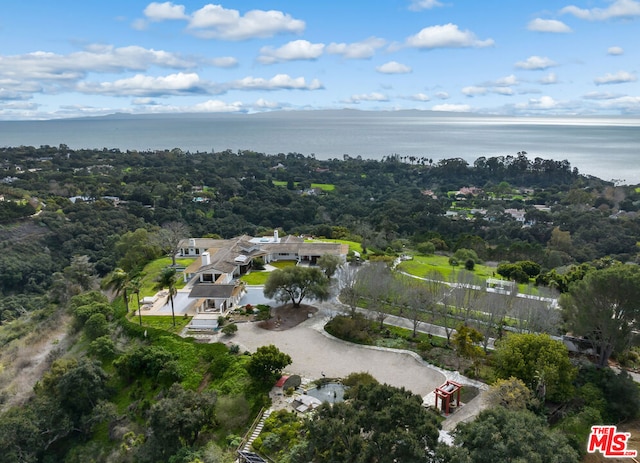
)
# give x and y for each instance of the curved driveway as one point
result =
(315, 353)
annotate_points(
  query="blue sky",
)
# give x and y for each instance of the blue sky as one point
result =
(548, 57)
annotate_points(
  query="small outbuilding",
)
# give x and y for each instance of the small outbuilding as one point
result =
(289, 381)
(445, 392)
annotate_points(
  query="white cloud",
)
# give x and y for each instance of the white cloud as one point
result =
(446, 36)
(393, 67)
(164, 11)
(140, 24)
(617, 9)
(373, 96)
(458, 108)
(544, 103)
(261, 103)
(420, 97)
(357, 50)
(209, 106)
(507, 80)
(216, 106)
(277, 82)
(144, 101)
(502, 90)
(474, 91)
(419, 5)
(548, 25)
(625, 104)
(295, 50)
(536, 63)
(615, 51)
(600, 96)
(224, 62)
(214, 21)
(143, 85)
(442, 95)
(619, 77)
(95, 58)
(549, 79)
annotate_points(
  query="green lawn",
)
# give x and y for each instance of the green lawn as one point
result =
(421, 266)
(353, 245)
(324, 186)
(283, 263)
(153, 269)
(259, 277)
(321, 186)
(255, 277)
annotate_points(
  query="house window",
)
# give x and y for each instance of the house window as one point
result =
(207, 277)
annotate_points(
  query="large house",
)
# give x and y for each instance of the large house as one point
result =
(218, 262)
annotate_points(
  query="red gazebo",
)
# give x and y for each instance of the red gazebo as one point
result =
(445, 392)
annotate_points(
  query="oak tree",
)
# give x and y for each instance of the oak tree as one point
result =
(296, 283)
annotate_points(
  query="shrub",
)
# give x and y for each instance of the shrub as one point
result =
(530, 268)
(103, 348)
(258, 263)
(359, 379)
(464, 254)
(355, 329)
(230, 329)
(519, 276)
(264, 312)
(96, 326)
(427, 248)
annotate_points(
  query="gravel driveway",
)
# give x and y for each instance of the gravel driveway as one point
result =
(315, 353)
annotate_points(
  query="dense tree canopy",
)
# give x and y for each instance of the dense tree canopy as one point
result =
(99, 210)
(542, 363)
(604, 307)
(500, 434)
(379, 423)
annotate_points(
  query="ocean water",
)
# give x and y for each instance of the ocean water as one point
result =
(607, 147)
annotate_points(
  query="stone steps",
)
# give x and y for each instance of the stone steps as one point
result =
(258, 429)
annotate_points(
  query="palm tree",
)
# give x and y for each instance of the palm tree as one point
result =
(118, 281)
(167, 280)
(135, 285)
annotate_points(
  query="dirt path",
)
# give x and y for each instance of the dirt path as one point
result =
(26, 360)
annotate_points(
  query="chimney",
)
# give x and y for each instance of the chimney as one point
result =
(192, 242)
(275, 236)
(206, 258)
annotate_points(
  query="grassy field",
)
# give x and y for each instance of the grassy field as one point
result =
(421, 266)
(321, 186)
